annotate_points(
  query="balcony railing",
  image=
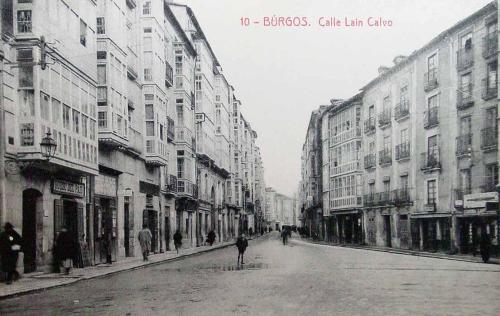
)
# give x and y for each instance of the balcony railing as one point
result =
(171, 185)
(369, 199)
(430, 160)
(489, 138)
(431, 117)
(384, 198)
(402, 110)
(185, 187)
(489, 185)
(370, 125)
(431, 79)
(464, 144)
(465, 58)
(385, 156)
(170, 129)
(465, 98)
(490, 45)
(489, 89)
(345, 136)
(370, 161)
(403, 151)
(384, 118)
(402, 196)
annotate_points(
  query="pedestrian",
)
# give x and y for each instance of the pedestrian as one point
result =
(10, 245)
(241, 244)
(484, 247)
(65, 249)
(211, 237)
(284, 236)
(145, 241)
(250, 231)
(177, 240)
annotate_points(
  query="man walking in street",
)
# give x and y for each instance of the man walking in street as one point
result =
(65, 249)
(177, 240)
(10, 245)
(145, 241)
(284, 235)
(241, 244)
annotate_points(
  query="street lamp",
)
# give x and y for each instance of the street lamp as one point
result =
(48, 146)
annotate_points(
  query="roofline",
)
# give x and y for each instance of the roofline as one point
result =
(198, 28)
(490, 6)
(171, 17)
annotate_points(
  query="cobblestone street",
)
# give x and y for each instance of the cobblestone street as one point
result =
(300, 278)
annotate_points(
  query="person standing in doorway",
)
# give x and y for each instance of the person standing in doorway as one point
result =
(211, 237)
(241, 244)
(66, 249)
(10, 245)
(177, 240)
(145, 237)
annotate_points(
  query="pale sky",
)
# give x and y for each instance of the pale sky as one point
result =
(281, 74)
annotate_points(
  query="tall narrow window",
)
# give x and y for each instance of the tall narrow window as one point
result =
(431, 192)
(101, 74)
(101, 28)
(83, 33)
(24, 22)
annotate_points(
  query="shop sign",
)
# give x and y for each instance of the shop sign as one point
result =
(68, 188)
(479, 200)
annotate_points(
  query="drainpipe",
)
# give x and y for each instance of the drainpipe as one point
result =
(3, 211)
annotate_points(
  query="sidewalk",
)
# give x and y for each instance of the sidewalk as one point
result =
(34, 282)
(436, 255)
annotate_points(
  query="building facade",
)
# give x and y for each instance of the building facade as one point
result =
(142, 114)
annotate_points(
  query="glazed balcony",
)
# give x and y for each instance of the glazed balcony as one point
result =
(490, 45)
(402, 110)
(345, 136)
(431, 79)
(385, 157)
(464, 145)
(183, 135)
(403, 151)
(431, 117)
(489, 138)
(370, 161)
(489, 89)
(169, 75)
(170, 129)
(156, 152)
(370, 125)
(465, 58)
(465, 98)
(384, 118)
(430, 160)
(345, 168)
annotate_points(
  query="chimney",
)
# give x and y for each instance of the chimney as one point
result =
(382, 69)
(398, 59)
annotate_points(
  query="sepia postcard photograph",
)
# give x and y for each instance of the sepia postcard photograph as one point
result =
(249, 157)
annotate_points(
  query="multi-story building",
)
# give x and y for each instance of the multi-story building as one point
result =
(341, 169)
(311, 194)
(132, 98)
(280, 209)
(420, 189)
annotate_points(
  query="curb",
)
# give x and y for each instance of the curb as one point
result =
(406, 253)
(106, 274)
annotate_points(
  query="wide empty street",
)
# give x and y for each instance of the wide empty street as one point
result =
(297, 279)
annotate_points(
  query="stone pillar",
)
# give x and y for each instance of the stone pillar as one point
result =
(455, 234)
(421, 233)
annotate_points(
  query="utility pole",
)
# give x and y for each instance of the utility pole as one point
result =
(2, 129)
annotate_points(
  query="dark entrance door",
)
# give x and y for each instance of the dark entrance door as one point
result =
(387, 228)
(32, 228)
(126, 228)
(167, 233)
(150, 218)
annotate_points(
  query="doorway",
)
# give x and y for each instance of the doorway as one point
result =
(387, 229)
(32, 229)
(150, 219)
(126, 228)
(167, 233)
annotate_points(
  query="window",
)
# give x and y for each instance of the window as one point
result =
(403, 93)
(465, 181)
(161, 132)
(404, 136)
(491, 117)
(24, 24)
(432, 146)
(27, 134)
(83, 33)
(466, 41)
(432, 62)
(431, 192)
(56, 111)
(76, 121)
(92, 129)
(466, 85)
(101, 74)
(492, 75)
(103, 119)
(150, 129)
(101, 29)
(25, 76)
(66, 111)
(432, 102)
(491, 177)
(45, 106)
(146, 8)
(180, 168)
(147, 74)
(148, 30)
(387, 186)
(387, 143)
(465, 125)
(403, 182)
(149, 112)
(84, 125)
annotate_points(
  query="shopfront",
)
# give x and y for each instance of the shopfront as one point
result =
(431, 232)
(105, 218)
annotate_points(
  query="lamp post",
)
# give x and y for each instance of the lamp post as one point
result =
(48, 146)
